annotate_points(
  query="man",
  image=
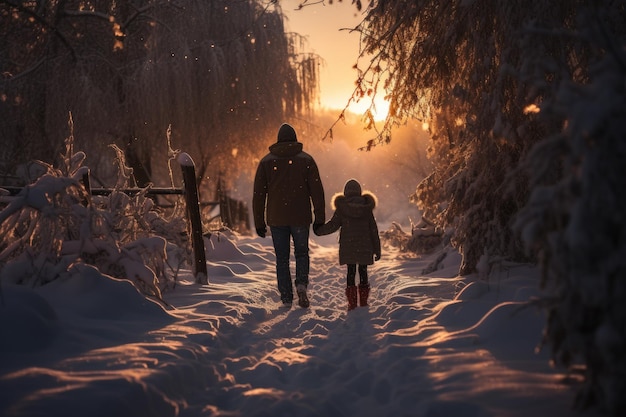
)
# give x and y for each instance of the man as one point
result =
(286, 183)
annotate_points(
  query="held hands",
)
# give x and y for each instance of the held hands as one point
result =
(261, 231)
(316, 228)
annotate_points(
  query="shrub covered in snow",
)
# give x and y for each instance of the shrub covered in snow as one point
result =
(54, 224)
(425, 237)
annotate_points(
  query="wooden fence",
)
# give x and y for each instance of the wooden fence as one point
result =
(233, 213)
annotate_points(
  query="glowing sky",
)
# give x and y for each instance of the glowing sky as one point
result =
(321, 24)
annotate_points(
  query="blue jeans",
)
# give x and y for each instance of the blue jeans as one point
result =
(281, 237)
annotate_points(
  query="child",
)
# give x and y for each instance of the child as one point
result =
(359, 242)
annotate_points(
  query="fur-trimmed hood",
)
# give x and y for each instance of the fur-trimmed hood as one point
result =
(354, 206)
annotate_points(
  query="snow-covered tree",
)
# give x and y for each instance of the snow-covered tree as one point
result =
(223, 74)
(505, 86)
(456, 66)
(574, 220)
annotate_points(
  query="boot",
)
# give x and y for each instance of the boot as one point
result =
(303, 300)
(364, 292)
(352, 296)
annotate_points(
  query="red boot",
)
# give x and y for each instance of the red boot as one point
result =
(364, 292)
(352, 296)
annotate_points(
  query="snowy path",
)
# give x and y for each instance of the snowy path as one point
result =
(322, 360)
(232, 351)
(378, 361)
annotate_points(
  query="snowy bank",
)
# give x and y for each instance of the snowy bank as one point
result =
(428, 345)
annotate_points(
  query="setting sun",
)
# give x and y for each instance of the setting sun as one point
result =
(379, 109)
(328, 34)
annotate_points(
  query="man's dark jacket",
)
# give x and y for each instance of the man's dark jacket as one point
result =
(287, 182)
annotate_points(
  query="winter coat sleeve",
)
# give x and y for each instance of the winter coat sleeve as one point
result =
(317, 194)
(332, 226)
(374, 236)
(259, 197)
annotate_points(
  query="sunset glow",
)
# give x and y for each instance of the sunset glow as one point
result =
(379, 109)
(327, 31)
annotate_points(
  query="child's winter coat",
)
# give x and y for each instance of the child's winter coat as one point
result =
(358, 238)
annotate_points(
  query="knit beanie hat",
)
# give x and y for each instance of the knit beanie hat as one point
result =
(352, 188)
(286, 133)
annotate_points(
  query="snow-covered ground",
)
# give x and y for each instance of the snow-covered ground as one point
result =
(428, 345)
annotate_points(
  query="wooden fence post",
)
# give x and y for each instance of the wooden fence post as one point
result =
(86, 182)
(193, 211)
